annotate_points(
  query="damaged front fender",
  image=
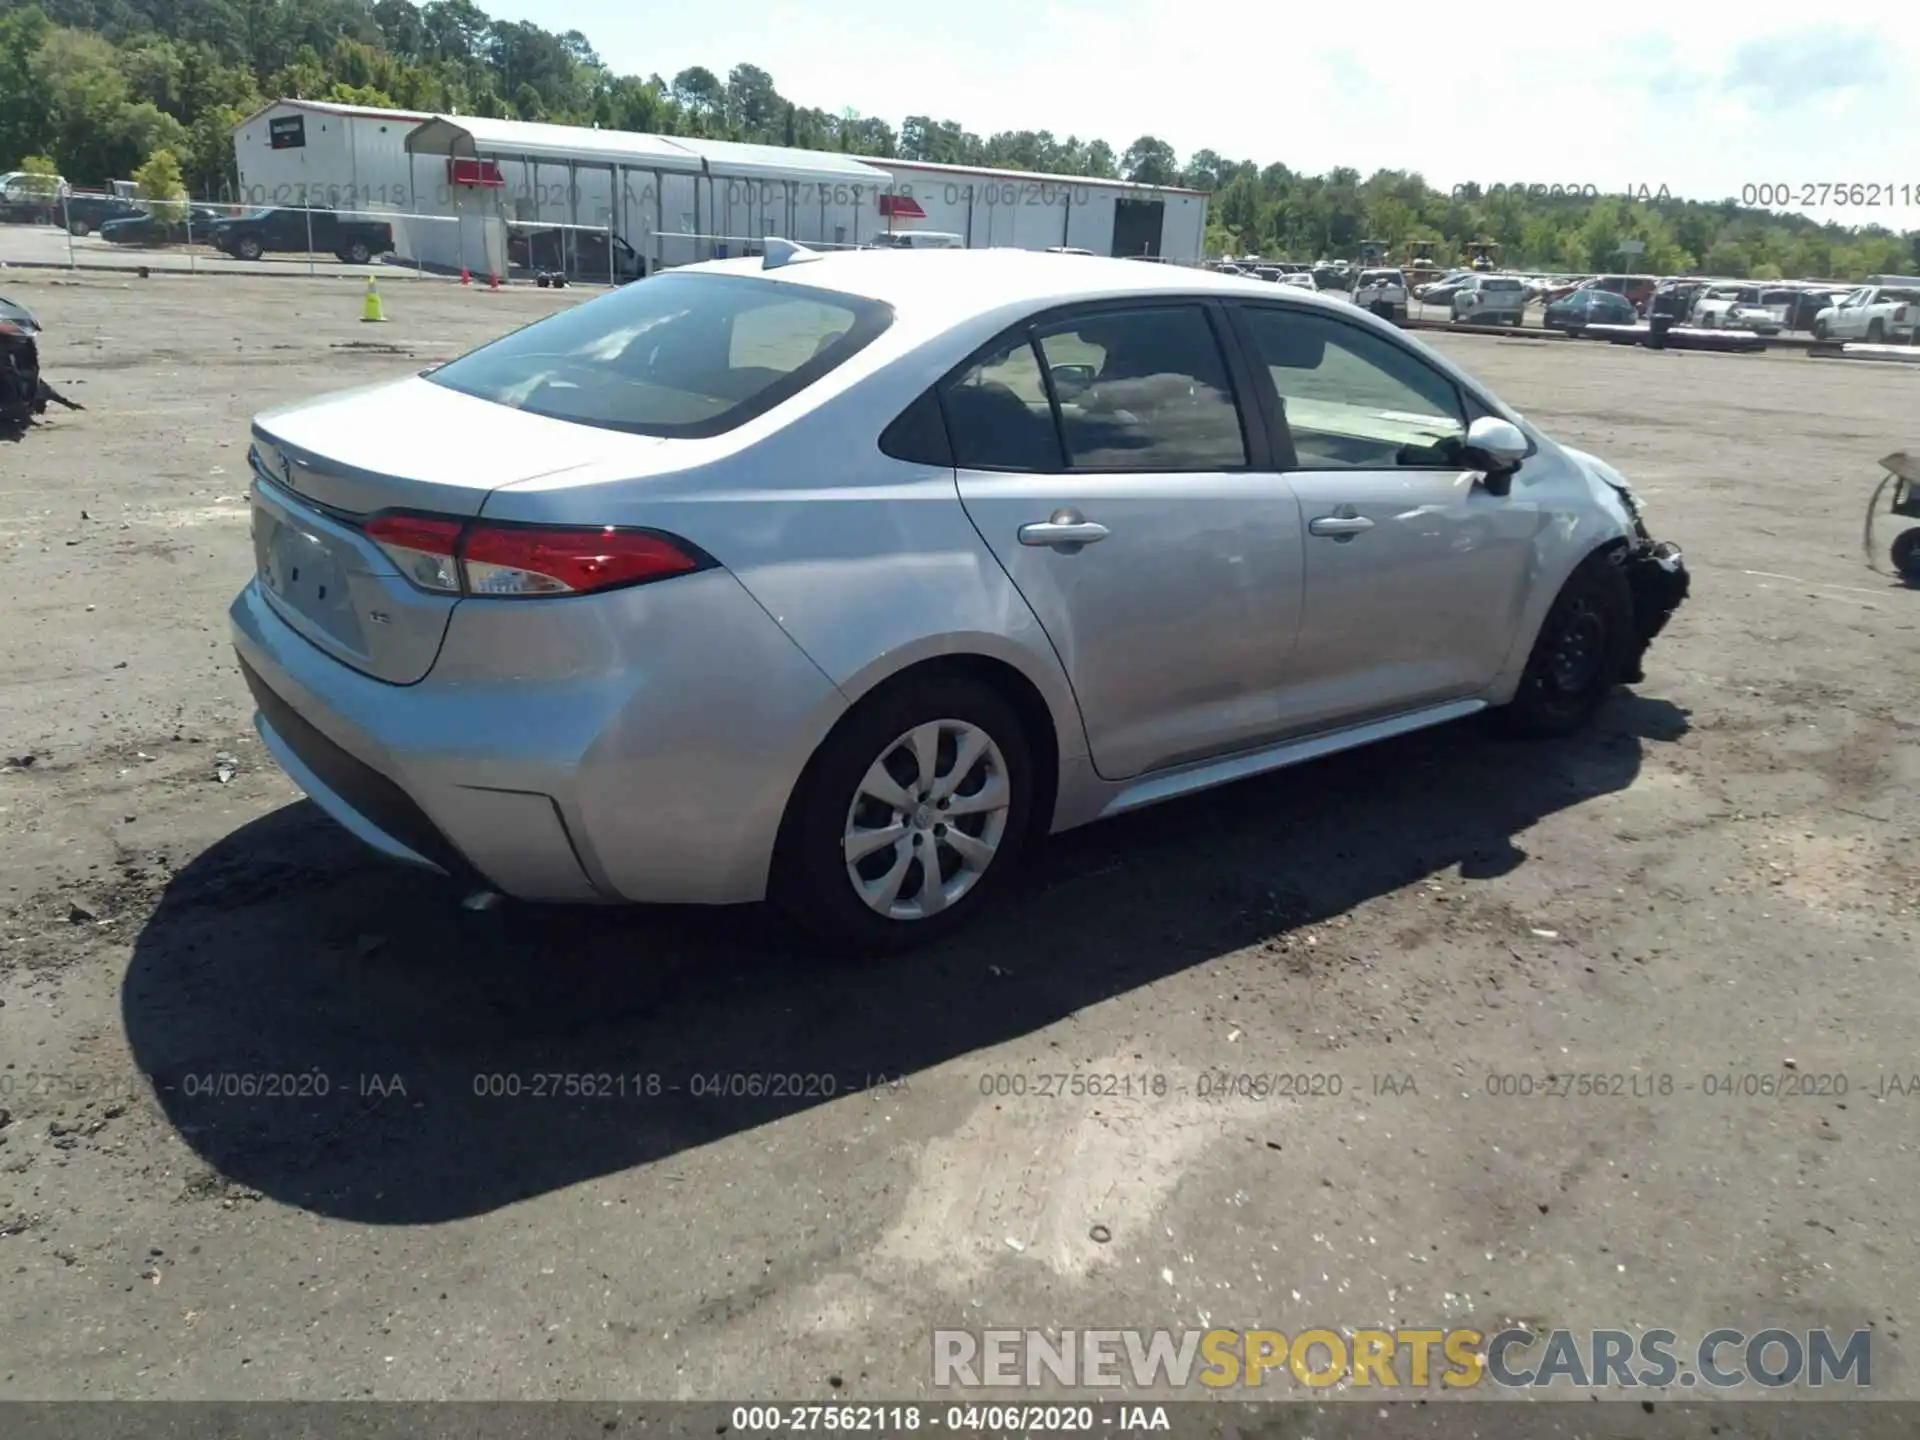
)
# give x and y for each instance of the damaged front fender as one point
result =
(1657, 576)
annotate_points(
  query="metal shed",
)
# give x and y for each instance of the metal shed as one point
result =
(675, 200)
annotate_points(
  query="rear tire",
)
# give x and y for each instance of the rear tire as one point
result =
(79, 229)
(1579, 654)
(878, 903)
(357, 253)
(247, 248)
(1876, 332)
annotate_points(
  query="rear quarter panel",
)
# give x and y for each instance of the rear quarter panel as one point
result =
(869, 563)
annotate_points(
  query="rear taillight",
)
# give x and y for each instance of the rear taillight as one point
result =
(422, 546)
(476, 558)
(522, 560)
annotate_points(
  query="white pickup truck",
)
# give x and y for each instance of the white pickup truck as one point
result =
(1384, 292)
(1878, 314)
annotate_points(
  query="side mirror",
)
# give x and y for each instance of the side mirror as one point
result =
(1498, 446)
(1072, 381)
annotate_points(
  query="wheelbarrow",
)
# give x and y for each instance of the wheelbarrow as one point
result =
(1903, 475)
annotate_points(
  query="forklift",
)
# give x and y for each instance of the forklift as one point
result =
(1483, 256)
(1420, 267)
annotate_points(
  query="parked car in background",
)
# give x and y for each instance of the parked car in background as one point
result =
(166, 225)
(84, 213)
(568, 616)
(30, 199)
(1384, 292)
(1673, 299)
(1297, 280)
(1877, 314)
(1637, 289)
(1573, 313)
(299, 230)
(1442, 291)
(1563, 286)
(1490, 300)
(1713, 305)
(1809, 301)
(1763, 309)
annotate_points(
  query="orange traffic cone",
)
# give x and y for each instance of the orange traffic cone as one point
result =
(466, 276)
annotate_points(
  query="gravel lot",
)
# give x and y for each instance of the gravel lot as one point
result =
(1720, 880)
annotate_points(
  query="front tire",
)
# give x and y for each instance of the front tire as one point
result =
(914, 812)
(1906, 555)
(357, 253)
(248, 248)
(1579, 655)
(79, 229)
(1876, 333)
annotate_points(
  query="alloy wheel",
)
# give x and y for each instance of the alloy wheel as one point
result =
(1577, 649)
(927, 819)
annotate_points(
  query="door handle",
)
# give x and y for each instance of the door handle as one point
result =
(1067, 531)
(1340, 527)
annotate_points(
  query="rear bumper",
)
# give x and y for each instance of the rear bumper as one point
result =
(638, 745)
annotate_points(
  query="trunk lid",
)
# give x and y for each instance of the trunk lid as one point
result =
(322, 468)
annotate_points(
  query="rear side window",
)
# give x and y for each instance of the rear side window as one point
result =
(676, 355)
(1143, 390)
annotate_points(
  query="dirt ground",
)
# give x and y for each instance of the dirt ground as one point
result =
(1718, 882)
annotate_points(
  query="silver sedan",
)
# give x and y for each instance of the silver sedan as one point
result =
(842, 579)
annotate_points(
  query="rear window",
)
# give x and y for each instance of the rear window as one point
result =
(678, 355)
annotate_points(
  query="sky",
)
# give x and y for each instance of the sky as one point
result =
(1702, 98)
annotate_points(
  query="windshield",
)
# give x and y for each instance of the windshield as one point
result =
(677, 355)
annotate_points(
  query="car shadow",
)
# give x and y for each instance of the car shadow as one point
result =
(344, 1036)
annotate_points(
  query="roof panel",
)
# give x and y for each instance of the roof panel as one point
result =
(538, 140)
(778, 162)
(541, 141)
(1039, 176)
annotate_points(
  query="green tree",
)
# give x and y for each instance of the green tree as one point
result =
(161, 185)
(1150, 161)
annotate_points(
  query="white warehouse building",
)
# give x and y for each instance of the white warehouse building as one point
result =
(453, 185)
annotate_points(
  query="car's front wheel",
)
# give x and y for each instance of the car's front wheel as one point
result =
(913, 813)
(357, 253)
(248, 248)
(1906, 555)
(1579, 655)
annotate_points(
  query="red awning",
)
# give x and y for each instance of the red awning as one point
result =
(901, 207)
(474, 172)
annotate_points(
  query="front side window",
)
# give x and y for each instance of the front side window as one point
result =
(1143, 390)
(676, 355)
(1355, 400)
